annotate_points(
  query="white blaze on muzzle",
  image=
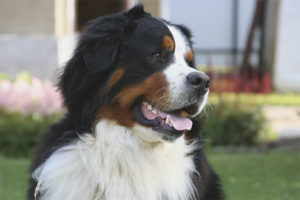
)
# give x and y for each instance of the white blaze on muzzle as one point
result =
(176, 73)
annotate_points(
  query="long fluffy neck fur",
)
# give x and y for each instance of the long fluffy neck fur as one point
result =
(114, 164)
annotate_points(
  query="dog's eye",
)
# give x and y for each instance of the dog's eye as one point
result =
(156, 55)
(159, 56)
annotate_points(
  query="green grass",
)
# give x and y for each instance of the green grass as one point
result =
(259, 176)
(245, 176)
(13, 178)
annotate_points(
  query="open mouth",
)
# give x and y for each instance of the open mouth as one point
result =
(172, 123)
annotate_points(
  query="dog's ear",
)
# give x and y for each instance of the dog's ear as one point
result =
(100, 43)
(101, 55)
(103, 36)
(136, 12)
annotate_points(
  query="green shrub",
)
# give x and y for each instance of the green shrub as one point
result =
(252, 99)
(229, 123)
(233, 124)
(20, 133)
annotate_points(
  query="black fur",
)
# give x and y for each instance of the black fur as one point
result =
(110, 42)
(206, 181)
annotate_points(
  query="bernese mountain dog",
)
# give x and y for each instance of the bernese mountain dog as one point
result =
(131, 131)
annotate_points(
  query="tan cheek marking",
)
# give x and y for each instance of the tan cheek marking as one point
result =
(152, 89)
(114, 78)
(189, 55)
(115, 112)
(168, 43)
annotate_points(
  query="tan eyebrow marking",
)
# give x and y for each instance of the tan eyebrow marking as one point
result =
(168, 43)
(189, 55)
(114, 78)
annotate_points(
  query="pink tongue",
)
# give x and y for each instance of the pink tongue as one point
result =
(181, 123)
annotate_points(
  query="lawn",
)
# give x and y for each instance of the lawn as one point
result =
(13, 178)
(259, 176)
(245, 176)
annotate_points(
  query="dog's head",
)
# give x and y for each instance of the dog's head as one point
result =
(137, 71)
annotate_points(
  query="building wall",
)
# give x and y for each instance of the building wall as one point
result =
(151, 6)
(287, 59)
(212, 26)
(37, 55)
(27, 16)
(28, 39)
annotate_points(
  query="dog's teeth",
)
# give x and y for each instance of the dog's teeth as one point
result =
(154, 111)
(168, 120)
(149, 106)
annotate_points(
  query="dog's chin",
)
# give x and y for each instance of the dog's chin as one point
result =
(154, 124)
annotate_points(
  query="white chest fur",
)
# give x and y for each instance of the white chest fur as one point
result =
(114, 164)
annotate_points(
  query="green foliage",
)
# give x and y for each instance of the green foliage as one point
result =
(234, 124)
(3, 76)
(20, 133)
(24, 75)
(252, 99)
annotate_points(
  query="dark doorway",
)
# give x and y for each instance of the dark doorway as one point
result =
(90, 9)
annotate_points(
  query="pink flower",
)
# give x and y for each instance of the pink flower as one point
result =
(30, 97)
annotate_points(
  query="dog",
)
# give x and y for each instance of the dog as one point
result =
(131, 131)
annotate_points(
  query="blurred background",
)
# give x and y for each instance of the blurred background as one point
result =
(249, 48)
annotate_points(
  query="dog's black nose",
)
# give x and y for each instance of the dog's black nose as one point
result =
(198, 80)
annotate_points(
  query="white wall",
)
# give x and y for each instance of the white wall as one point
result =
(287, 54)
(27, 16)
(211, 24)
(35, 54)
